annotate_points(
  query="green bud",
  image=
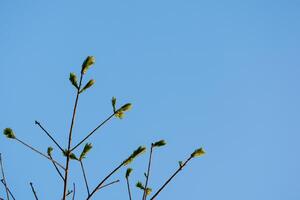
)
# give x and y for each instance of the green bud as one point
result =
(73, 79)
(159, 143)
(89, 61)
(148, 191)
(135, 154)
(88, 85)
(8, 132)
(49, 151)
(86, 149)
(71, 155)
(140, 185)
(126, 107)
(113, 103)
(180, 163)
(128, 172)
(198, 152)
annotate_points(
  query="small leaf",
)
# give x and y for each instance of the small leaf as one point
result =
(8, 132)
(73, 79)
(113, 103)
(159, 143)
(128, 172)
(126, 107)
(119, 114)
(89, 61)
(136, 153)
(140, 185)
(198, 152)
(88, 85)
(148, 191)
(73, 156)
(49, 151)
(86, 149)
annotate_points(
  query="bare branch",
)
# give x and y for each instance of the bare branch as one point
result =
(2, 181)
(84, 176)
(33, 191)
(57, 168)
(37, 151)
(3, 177)
(148, 173)
(92, 132)
(128, 188)
(49, 135)
(108, 184)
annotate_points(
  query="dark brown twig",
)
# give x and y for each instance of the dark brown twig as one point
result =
(181, 166)
(92, 132)
(108, 184)
(70, 138)
(148, 173)
(49, 135)
(10, 193)
(128, 188)
(100, 184)
(56, 168)
(73, 191)
(33, 191)
(35, 150)
(84, 176)
(3, 177)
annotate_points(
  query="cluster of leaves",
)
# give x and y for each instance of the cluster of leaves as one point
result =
(68, 152)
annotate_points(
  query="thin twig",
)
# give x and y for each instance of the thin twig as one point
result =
(35, 150)
(84, 176)
(49, 135)
(181, 166)
(57, 168)
(108, 184)
(148, 173)
(3, 177)
(128, 188)
(33, 191)
(70, 138)
(73, 191)
(10, 193)
(92, 132)
(100, 184)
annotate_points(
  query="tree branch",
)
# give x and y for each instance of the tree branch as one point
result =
(3, 177)
(148, 173)
(57, 169)
(35, 150)
(108, 184)
(181, 166)
(2, 181)
(70, 138)
(128, 188)
(84, 176)
(33, 191)
(92, 132)
(49, 135)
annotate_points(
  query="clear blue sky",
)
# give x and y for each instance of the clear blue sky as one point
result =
(219, 74)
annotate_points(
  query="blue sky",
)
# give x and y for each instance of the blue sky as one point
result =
(223, 75)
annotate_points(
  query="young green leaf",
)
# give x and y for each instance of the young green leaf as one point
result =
(113, 103)
(140, 185)
(8, 132)
(86, 149)
(128, 172)
(73, 79)
(148, 191)
(135, 154)
(71, 155)
(159, 143)
(197, 153)
(88, 62)
(120, 112)
(88, 85)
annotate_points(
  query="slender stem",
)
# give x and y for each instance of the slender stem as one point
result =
(128, 187)
(73, 191)
(168, 181)
(8, 189)
(33, 191)
(148, 173)
(3, 177)
(70, 139)
(37, 151)
(84, 176)
(49, 135)
(108, 184)
(92, 132)
(57, 169)
(100, 184)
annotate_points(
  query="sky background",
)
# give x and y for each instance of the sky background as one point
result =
(223, 75)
